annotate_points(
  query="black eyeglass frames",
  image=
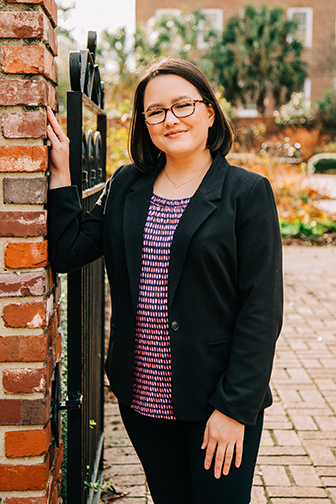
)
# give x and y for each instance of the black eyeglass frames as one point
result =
(179, 109)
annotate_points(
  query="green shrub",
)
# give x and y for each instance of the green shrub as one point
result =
(326, 110)
(299, 111)
(307, 231)
(64, 383)
(229, 110)
(325, 165)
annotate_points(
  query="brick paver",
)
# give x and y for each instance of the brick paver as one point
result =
(297, 458)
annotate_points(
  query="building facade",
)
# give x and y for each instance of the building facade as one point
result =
(316, 29)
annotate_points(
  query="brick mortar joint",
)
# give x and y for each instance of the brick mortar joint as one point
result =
(21, 109)
(21, 142)
(11, 42)
(36, 494)
(20, 7)
(22, 78)
(23, 175)
(23, 239)
(29, 396)
(21, 207)
(25, 43)
(34, 396)
(16, 461)
(6, 366)
(45, 298)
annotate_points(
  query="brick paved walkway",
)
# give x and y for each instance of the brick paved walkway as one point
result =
(297, 459)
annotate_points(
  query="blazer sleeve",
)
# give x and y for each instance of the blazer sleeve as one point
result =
(74, 241)
(240, 393)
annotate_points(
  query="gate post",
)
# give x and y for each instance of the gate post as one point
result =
(30, 344)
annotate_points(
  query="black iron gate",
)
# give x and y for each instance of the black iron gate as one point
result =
(86, 287)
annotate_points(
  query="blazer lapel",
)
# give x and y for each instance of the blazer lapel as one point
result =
(135, 214)
(201, 205)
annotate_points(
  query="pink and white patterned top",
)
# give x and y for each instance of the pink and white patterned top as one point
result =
(152, 389)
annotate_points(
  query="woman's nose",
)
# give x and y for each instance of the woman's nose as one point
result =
(171, 118)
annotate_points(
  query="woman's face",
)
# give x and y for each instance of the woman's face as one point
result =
(178, 137)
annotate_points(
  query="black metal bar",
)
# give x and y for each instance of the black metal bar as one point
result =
(102, 127)
(75, 354)
(75, 134)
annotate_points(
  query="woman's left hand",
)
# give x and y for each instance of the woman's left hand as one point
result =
(59, 154)
(223, 436)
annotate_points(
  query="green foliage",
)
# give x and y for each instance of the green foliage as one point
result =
(258, 55)
(325, 165)
(114, 54)
(66, 43)
(64, 381)
(171, 36)
(122, 61)
(117, 146)
(114, 46)
(299, 111)
(104, 486)
(227, 107)
(326, 110)
(306, 231)
(63, 14)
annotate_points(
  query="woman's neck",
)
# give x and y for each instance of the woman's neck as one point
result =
(181, 179)
(180, 168)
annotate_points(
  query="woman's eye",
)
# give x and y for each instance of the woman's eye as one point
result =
(182, 105)
(154, 112)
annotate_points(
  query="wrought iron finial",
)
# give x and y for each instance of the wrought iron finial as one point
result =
(84, 72)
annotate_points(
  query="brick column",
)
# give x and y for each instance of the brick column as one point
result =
(30, 343)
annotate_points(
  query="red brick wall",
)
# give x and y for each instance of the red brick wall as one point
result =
(29, 301)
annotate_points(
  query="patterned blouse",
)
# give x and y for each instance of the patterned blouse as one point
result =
(152, 390)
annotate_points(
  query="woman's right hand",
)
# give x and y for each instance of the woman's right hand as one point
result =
(59, 155)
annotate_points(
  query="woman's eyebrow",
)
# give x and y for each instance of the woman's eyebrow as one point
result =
(174, 100)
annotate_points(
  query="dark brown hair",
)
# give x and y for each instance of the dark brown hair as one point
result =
(145, 155)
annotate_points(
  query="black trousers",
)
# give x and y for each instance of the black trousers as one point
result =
(171, 455)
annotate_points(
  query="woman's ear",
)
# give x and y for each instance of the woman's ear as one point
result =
(211, 114)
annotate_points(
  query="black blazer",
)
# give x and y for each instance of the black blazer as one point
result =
(224, 287)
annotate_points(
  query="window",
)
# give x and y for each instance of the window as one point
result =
(159, 13)
(213, 20)
(303, 16)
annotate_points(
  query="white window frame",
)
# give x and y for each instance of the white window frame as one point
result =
(308, 42)
(159, 13)
(249, 111)
(201, 44)
(307, 88)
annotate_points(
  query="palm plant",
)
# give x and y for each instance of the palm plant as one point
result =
(257, 56)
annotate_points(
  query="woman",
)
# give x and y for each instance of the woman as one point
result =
(193, 255)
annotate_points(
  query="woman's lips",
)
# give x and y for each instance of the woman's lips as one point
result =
(174, 133)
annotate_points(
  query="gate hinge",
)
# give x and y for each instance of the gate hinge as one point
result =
(74, 403)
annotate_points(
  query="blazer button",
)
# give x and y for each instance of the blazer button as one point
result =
(175, 325)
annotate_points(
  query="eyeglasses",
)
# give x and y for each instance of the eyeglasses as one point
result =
(180, 109)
